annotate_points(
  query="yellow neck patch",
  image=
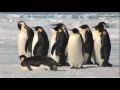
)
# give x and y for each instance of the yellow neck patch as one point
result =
(104, 33)
(60, 30)
(40, 30)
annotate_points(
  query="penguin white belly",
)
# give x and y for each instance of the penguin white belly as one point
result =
(53, 40)
(75, 57)
(86, 55)
(22, 39)
(35, 40)
(82, 32)
(97, 48)
(41, 67)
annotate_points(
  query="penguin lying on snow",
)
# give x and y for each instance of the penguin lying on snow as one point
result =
(25, 38)
(102, 45)
(88, 41)
(75, 50)
(41, 62)
(40, 44)
(59, 44)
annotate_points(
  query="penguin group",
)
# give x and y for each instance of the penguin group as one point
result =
(74, 50)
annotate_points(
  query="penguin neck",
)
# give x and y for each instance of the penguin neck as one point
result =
(36, 32)
(23, 29)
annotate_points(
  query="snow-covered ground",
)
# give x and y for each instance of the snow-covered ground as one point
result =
(9, 61)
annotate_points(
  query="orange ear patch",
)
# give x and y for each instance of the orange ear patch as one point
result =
(59, 30)
(87, 29)
(40, 30)
(104, 33)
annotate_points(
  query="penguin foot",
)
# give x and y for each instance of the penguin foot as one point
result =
(89, 62)
(81, 66)
(65, 64)
(104, 64)
(97, 64)
(54, 68)
(77, 68)
(72, 67)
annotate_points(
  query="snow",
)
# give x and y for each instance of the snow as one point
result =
(9, 60)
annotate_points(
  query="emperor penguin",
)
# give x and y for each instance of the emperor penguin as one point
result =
(102, 45)
(59, 42)
(38, 63)
(40, 44)
(75, 50)
(25, 38)
(88, 42)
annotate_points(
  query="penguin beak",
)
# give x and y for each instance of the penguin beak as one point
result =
(34, 28)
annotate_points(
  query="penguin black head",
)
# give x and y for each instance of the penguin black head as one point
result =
(21, 23)
(58, 26)
(102, 25)
(22, 57)
(75, 30)
(39, 28)
(84, 26)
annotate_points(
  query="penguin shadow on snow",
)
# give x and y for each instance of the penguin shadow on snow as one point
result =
(90, 66)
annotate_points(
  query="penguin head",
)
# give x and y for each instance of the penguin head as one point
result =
(22, 24)
(75, 30)
(23, 59)
(101, 25)
(39, 28)
(58, 26)
(85, 27)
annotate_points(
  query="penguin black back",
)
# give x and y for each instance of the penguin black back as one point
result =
(105, 43)
(88, 42)
(42, 46)
(37, 61)
(29, 34)
(61, 43)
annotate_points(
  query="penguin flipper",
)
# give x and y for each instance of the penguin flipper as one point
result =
(83, 45)
(36, 47)
(28, 45)
(29, 68)
(30, 34)
(106, 46)
(102, 46)
(54, 47)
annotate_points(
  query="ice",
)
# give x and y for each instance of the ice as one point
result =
(9, 60)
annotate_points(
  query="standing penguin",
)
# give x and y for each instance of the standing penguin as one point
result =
(88, 41)
(40, 44)
(102, 45)
(25, 38)
(75, 50)
(59, 41)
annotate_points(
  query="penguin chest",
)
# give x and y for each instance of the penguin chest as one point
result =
(75, 50)
(22, 39)
(34, 68)
(97, 47)
(53, 39)
(82, 32)
(35, 40)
